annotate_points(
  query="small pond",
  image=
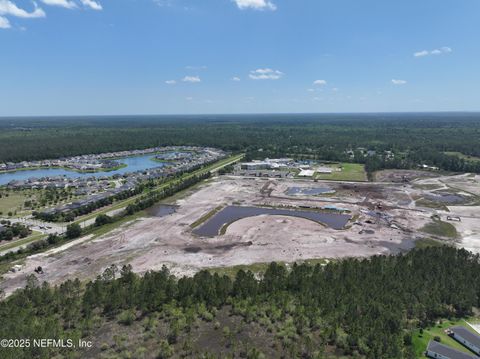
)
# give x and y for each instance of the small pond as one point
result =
(447, 198)
(308, 191)
(161, 210)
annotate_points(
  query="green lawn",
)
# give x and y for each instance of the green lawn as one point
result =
(420, 341)
(13, 202)
(349, 172)
(440, 228)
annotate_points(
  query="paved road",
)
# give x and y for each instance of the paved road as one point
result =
(39, 226)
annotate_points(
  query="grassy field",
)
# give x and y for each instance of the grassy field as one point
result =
(423, 202)
(349, 172)
(440, 228)
(12, 203)
(420, 341)
(462, 156)
(428, 242)
(16, 200)
(206, 217)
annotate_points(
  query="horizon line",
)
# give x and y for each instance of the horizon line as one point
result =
(243, 114)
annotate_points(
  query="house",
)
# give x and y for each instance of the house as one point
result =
(466, 338)
(439, 351)
(324, 170)
(306, 173)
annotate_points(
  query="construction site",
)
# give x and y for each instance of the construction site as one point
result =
(236, 220)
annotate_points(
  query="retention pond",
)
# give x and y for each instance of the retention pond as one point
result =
(308, 191)
(230, 214)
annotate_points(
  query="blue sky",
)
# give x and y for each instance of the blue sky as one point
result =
(82, 57)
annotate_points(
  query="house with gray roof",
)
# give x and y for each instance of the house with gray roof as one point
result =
(466, 338)
(437, 350)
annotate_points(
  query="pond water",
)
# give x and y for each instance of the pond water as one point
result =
(161, 210)
(446, 198)
(134, 164)
(308, 191)
(231, 214)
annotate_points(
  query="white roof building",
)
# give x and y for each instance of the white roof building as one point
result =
(324, 169)
(306, 173)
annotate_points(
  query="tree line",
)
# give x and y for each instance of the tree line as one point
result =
(413, 138)
(361, 307)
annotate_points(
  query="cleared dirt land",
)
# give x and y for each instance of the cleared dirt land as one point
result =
(386, 218)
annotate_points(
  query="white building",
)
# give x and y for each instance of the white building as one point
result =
(324, 169)
(306, 173)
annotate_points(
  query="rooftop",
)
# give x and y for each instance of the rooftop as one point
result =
(467, 334)
(448, 352)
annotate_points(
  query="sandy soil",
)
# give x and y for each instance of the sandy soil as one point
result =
(385, 220)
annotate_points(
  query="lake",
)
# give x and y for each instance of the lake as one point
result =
(230, 214)
(134, 164)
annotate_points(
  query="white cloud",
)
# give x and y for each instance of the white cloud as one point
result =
(192, 79)
(92, 4)
(398, 82)
(170, 82)
(9, 8)
(4, 23)
(68, 4)
(421, 53)
(311, 90)
(440, 51)
(236, 78)
(265, 74)
(256, 4)
(320, 82)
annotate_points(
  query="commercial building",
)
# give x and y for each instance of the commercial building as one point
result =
(255, 166)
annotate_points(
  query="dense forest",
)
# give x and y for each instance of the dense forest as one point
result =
(413, 138)
(363, 308)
